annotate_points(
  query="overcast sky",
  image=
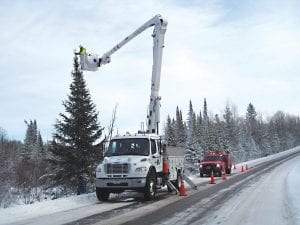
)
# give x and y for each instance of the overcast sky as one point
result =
(224, 51)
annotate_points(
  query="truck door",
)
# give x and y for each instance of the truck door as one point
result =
(155, 158)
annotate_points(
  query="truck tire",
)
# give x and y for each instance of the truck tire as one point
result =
(102, 194)
(150, 187)
(201, 174)
(219, 173)
(228, 171)
(177, 182)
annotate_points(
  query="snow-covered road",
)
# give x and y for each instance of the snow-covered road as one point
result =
(267, 200)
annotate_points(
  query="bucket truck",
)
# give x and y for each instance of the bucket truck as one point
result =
(138, 161)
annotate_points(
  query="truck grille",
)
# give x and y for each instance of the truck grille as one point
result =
(116, 168)
(208, 167)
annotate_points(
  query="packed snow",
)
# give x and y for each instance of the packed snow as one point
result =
(293, 191)
(20, 213)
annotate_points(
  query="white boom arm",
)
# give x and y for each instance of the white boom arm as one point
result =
(91, 62)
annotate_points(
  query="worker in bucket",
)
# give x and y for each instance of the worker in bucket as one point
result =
(82, 51)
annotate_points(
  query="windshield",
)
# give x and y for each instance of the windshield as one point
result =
(134, 146)
(212, 158)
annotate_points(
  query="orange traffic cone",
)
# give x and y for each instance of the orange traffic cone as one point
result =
(212, 178)
(165, 161)
(242, 170)
(224, 175)
(234, 167)
(165, 166)
(247, 167)
(182, 191)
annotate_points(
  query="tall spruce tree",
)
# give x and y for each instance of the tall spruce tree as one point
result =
(75, 152)
(170, 132)
(30, 149)
(179, 128)
(190, 125)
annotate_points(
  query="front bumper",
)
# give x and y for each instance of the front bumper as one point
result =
(208, 168)
(121, 183)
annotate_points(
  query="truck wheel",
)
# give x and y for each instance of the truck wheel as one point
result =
(177, 182)
(228, 171)
(220, 173)
(102, 194)
(201, 174)
(150, 188)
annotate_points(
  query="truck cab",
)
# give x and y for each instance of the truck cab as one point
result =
(215, 162)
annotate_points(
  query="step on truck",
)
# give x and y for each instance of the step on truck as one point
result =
(215, 162)
(138, 162)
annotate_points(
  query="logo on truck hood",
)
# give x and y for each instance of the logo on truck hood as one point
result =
(125, 159)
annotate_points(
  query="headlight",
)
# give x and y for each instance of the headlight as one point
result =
(218, 165)
(200, 166)
(141, 169)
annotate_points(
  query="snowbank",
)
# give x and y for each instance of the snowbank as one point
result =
(23, 212)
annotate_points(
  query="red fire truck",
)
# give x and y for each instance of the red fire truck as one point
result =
(217, 162)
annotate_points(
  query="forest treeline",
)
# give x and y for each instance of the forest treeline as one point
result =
(247, 136)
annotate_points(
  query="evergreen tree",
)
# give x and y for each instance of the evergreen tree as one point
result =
(199, 129)
(253, 129)
(206, 139)
(29, 169)
(219, 134)
(231, 128)
(40, 146)
(30, 149)
(75, 147)
(251, 119)
(205, 113)
(179, 128)
(170, 132)
(190, 125)
(190, 147)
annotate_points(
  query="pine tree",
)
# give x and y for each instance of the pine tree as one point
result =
(190, 125)
(205, 113)
(199, 129)
(254, 131)
(30, 149)
(170, 132)
(230, 129)
(251, 119)
(29, 168)
(179, 128)
(205, 128)
(74, 148)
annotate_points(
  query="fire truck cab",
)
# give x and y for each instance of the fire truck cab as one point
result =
(215, 162)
